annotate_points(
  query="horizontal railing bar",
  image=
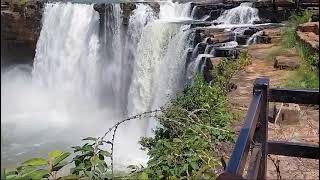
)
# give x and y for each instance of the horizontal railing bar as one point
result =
(293, 149)
(299, 96)
(240, 152)
(254, 162)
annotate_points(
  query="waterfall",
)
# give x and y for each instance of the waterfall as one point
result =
(253, 38)
(243, 14)
(195, 65)
(158, 72)
(64, 47)
(90, 72)
(194, 11)
(56, 104)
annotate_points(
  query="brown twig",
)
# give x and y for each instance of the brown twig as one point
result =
(276, 164)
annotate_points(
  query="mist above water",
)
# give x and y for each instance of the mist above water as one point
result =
(87, 76)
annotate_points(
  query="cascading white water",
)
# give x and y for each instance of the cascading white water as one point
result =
(56, 104)
(85, 79)
(65, 44)
(194, 66)
(253, 38)
(243, 14)
(158, 72)
(127, 150)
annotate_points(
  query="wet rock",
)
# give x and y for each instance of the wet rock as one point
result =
(263, 39)
(20, 29)
(208, 40)
(214, 14)
(222, 37)
(99, 7)
(207, 67)
(242, 39)
(201, 47)
(250, 31)
(198, 35)
(231, 52)
(189, 55)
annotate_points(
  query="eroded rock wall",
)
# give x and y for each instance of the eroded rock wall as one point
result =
(20, 29)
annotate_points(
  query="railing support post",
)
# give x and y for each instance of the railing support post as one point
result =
(261, 135)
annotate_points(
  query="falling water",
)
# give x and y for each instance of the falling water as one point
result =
(156, 77)
(193, 67)
(87, 75)
(243, 14)
(253, 38)
(42, 108)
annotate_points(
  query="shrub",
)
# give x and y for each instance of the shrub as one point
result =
(192, 127)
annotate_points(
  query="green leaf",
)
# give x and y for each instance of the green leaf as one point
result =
(13, 177)
(76, 148)
(166, 144)
(60, 158)
(86, 148)
(11, 173)
(194, 165)
(78, 168)
(176, 140)
(70, 177)
(53, 154)
(143, 176)
(59, 166)
(184, 169)
(38, 174)
(94, 160)
(25, 170)
(89, 139)
(35, 162)
(105, 153)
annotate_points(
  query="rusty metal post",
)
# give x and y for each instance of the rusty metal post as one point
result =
(261, 135)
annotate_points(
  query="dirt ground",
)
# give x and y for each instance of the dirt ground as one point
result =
(306, 130)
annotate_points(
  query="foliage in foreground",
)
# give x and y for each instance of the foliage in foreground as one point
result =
(307, 76)
(186, 146)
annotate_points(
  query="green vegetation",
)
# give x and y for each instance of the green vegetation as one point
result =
(196, 123)
(193, 127)
(38, 168)
(20, 2)
(307, 76)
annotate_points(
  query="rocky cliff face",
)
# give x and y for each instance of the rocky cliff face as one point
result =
(20, 29)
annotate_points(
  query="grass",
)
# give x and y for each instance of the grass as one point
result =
(303, 78)
(278, 51)
(20, 2)
(307, 75)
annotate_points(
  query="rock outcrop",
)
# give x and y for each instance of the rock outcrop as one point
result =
(308, 33)
(20, 29)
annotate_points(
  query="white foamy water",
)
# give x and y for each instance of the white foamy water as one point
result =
(243, 14)
(158, 73)
(86, 77)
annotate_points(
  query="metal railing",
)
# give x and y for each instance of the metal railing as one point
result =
(253, 135)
